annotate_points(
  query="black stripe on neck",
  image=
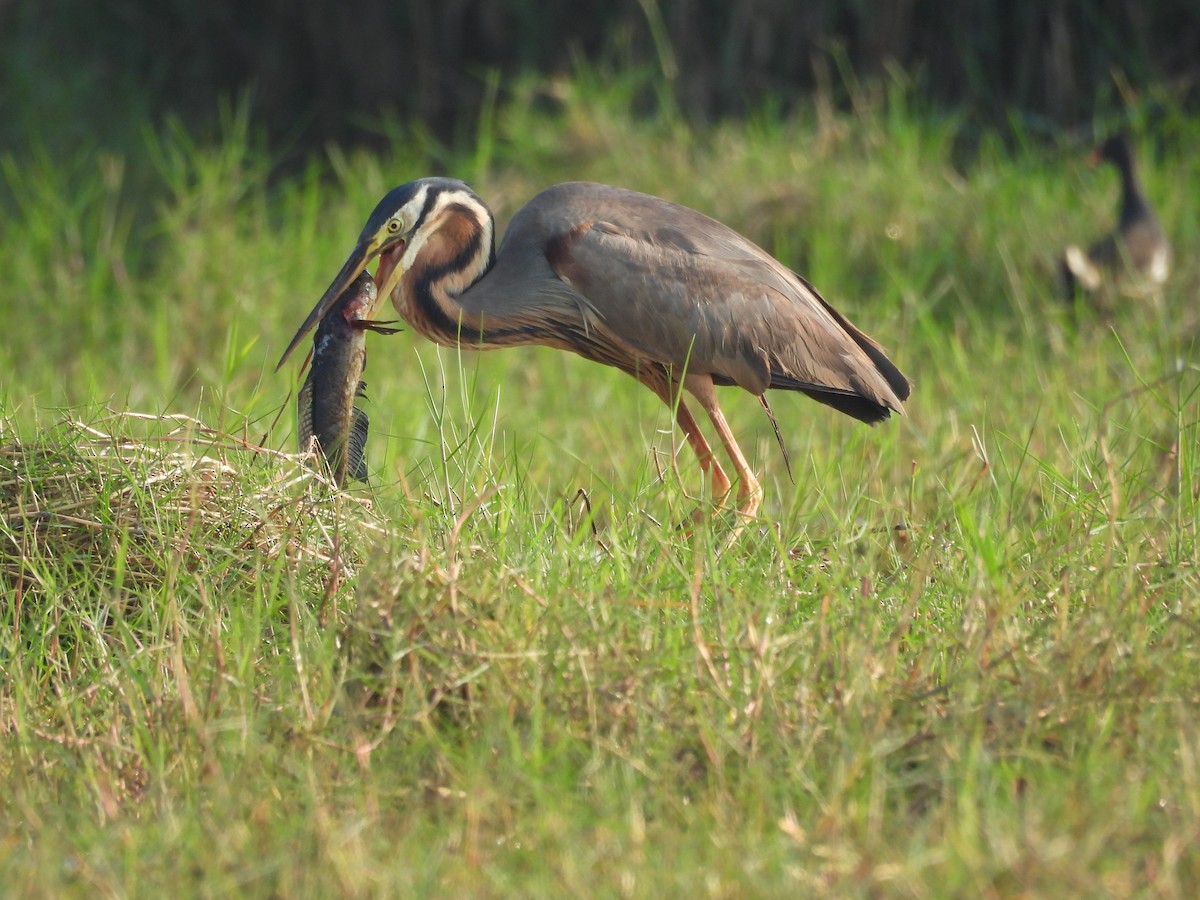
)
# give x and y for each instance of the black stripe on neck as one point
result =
(439, 318)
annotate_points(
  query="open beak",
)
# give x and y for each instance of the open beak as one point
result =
(357, 261)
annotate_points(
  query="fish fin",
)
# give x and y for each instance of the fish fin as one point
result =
(377, 326)
(307, 360)
(304, 415)
(356, 445)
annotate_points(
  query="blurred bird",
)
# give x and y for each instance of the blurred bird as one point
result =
(664, 293)
(1136, 257)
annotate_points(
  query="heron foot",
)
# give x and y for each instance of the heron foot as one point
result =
(749, 496)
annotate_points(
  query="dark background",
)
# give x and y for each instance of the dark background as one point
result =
(80, 70)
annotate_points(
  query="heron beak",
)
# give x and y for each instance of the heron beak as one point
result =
(390, 270)
(357, 261)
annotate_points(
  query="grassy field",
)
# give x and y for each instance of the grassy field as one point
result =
(958, 656)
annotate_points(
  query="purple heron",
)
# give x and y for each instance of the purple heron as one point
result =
(660, 291)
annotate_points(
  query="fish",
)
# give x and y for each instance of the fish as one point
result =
(327, 406)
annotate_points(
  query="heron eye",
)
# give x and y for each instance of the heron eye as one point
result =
(394, 226)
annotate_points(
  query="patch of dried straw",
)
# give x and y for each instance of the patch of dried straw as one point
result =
(181, 496)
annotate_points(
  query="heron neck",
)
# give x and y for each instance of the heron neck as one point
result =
(1133, 202)
(453, 263)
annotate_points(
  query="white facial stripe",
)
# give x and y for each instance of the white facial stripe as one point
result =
(415, 242)
(412, 209)
(441, 203)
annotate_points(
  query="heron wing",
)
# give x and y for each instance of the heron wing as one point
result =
(679, 288)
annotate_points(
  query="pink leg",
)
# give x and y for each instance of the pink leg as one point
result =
(749, 490)
(657, 382)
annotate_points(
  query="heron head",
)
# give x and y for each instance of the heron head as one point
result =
(389, 235)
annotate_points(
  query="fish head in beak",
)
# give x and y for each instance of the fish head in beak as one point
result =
(386, 236)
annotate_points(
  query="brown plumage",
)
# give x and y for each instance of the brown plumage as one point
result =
(1136, 255)
(660, 291)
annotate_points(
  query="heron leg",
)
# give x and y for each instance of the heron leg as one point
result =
(658, 383)
(749, 490)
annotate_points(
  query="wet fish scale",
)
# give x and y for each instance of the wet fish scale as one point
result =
(326, 407)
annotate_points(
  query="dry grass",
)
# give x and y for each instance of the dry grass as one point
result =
(90, 510)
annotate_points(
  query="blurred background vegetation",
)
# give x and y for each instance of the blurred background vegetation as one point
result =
(186, 167)
(77, 73)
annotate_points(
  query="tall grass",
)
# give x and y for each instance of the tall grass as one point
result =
(957, 655)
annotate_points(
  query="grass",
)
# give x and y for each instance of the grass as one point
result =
(957, 656)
